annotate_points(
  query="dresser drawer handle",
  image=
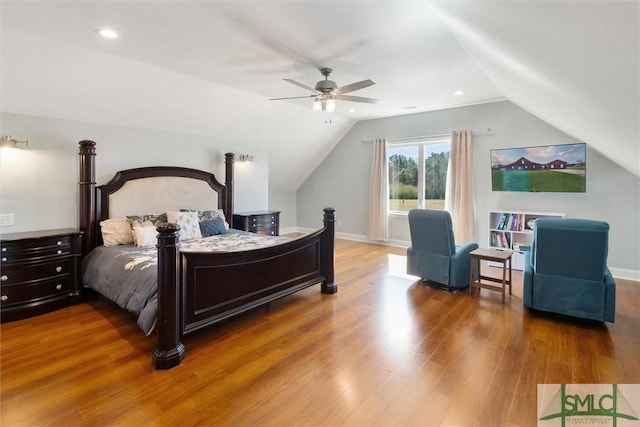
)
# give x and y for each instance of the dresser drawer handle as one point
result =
(58, 269)
(4, 298)
(59, 287)
(4, 278)
(4, 259)
(59, 243)
(59, 251)
(4, 249)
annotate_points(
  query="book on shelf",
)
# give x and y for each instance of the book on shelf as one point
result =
(522, 246)
(510, 221)
(500, 223)
(500, 240)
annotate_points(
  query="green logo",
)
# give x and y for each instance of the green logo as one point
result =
(585, 404)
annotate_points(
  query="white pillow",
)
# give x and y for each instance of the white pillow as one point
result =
(221, 215)
(146, 237)
(116, 231)
(188, 222)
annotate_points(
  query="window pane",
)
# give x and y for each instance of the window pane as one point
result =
(403, 178)
(436, 160)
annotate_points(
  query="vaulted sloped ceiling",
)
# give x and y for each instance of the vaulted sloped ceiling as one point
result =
(210, 67)
(572, 64)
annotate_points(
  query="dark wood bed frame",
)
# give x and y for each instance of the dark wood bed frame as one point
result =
(197, 289)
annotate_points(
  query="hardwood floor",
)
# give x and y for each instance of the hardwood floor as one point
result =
(383, 351)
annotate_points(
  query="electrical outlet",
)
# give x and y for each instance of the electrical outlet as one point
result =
(6, 220)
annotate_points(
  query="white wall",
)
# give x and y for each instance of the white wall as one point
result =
(342, 180)
(285, 202)
(46, 78)
(39, 185)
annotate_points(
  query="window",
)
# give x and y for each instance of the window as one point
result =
(417, 175)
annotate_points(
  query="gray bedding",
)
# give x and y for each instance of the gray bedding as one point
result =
(127, 275)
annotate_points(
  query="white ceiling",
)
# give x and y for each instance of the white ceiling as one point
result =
(573, 64)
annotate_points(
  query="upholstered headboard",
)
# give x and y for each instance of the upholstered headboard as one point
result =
(161, 194)
(147, 190)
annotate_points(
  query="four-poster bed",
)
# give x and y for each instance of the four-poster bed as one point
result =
(196, 289)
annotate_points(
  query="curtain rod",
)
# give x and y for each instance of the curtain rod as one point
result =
(486, 131)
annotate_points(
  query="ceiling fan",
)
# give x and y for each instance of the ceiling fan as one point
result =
(327, 91)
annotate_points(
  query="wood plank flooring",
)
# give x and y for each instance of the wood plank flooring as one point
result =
(383, 351)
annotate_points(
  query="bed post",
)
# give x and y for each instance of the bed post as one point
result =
(87, 195)
(228, 182)
(329, 286)
(170, 351)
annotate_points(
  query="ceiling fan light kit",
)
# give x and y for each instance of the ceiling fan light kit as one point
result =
(324, 103)
(326, 92)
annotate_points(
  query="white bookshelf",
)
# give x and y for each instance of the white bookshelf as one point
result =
(511, 231)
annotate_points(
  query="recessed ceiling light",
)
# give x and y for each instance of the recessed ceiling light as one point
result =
(351, 110)
(107, 33)
(409, 107)
(458, 93)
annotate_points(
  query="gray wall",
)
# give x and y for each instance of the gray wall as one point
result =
(39, 185)
(342, 180)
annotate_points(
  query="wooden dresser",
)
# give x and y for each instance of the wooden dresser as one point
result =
(39, 272)
(261, 222)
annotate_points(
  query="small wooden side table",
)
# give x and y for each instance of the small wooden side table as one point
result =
(495, 255)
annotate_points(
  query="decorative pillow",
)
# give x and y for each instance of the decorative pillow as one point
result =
(155, 219)
(210, 228)
(116, 231)
(188, 222)
(209, 215)
(146, 237)
(139, 224)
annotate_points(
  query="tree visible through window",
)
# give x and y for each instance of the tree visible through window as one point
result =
(418, 175)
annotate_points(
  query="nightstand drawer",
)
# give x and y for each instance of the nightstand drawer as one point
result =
(261, 222)
(38, 290)
(39, 272)
(33, 249)
(25, 272)
(265, 231)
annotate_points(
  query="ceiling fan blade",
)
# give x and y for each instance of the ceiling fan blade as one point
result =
(354, 86)
(293, 97)
(357, 99)
(302, 85)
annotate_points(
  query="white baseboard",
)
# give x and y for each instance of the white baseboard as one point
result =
(618, 273)
(625, 273)
(354, 237)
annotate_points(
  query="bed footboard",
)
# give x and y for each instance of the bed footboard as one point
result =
(197, 289)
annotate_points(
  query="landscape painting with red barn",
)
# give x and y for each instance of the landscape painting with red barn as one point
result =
(545, 168)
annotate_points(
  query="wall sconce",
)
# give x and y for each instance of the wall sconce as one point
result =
(9, 141)
(245, 158)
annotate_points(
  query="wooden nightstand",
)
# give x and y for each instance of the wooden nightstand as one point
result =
(261, 222)
(39, 272)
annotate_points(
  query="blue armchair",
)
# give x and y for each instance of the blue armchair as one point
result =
(566, 271)
(433, 255)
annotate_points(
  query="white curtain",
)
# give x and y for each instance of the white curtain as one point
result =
(459, 192)
(379, 192)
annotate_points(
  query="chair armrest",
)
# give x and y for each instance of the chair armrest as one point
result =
(527, 281)
(610, 297)
(461, 264)
(464, 250)
(608, 278)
